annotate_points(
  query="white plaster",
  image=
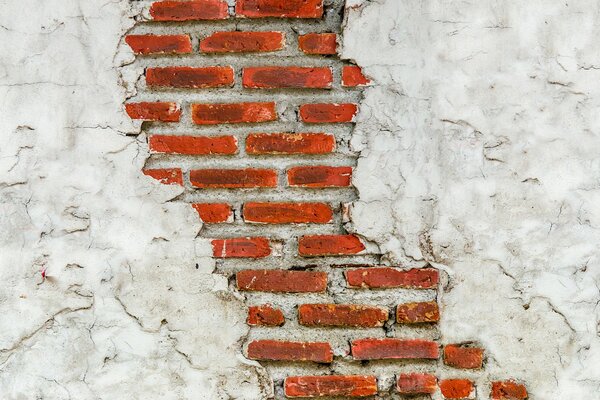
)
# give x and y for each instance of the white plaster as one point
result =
(479, 153)
(125, 312)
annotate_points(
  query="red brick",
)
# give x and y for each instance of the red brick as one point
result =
(288, 213)
(279, 8)
(385, 278)
(508, 390)
(282, 281)
(233, 178)
(457, 388)
(233, 113)
(159, 44)
(193, 145)
(347, 315)
(327, 113)
(319, 176)
(287, 77)
(159, 111)
(189, 10)
(352, 76)
(214, 213)
(256, 247)
(418, 313)
(322, 386)
(290, 143)
(462, 356)
(167, 176)
(329, 245)
(190, 77)
(404, 349)
(242, 42)
(265, 315)
(416, 383)
(318, 43)
(274, 350)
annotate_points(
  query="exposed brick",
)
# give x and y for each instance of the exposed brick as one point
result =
(233, 178)
(417, 313)
(347, 315)
(382, 349)
(288, 213)
(385, 278)
(322, 386)
(508, 390)
(462, 356)
(233, 113)
(318, 43)
(193, 145)
(352, 76)
(167, 176)
(290, 143)
(190, 77)
(287, 77)
(242, 42)
(265, 315)
(457, 388)
(275, 350)
(158, 111)
(248, 247)
(322, 113)
(191, 10)
(280, 8)
(159, 44)
(329, 245)
(416, 383)
(319, 176)
(281, 281)
(214, 213)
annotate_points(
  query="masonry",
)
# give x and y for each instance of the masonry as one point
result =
(249, 108)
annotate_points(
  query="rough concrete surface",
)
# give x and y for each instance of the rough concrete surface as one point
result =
(478, 153)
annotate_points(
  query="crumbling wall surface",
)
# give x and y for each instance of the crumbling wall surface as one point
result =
(479, 153)
(129, 307)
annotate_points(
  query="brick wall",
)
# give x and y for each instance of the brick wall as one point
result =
(249, 108)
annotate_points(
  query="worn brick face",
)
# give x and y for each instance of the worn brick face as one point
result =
(248, 247)
(189, 10)
(387, 278)
(159, 44)
(233, 113)
(158, 111)
(418, 313)
(281, 281)
(287, 77)
(352, 76)
(190, 77)
(329, 245)
(319, 176)
(416, 383)
(193, 145)
(213, 213)
(233, 178)
(318, 43)
(265, 315)
(344, 315)
(508, 390)
(288, 213)
(321, 386)
(382, 349)
(242, 42)
(462, 356)
(457, 388)
(321, 113)
(275, 350)
(279, 8)
(168, 176)
(290, 143)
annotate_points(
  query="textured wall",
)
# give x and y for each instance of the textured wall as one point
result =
(479, 154)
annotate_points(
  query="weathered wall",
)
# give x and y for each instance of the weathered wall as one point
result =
(479, 153)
